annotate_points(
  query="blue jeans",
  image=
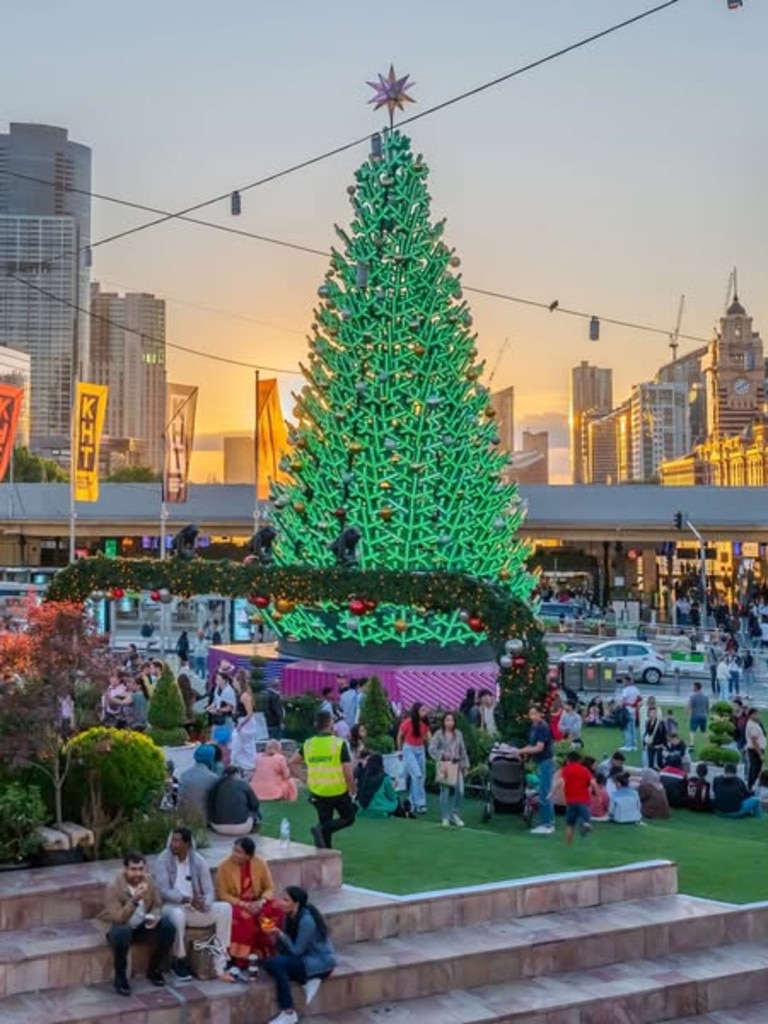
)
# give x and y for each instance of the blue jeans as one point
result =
(450, 799)
(415, 765)
(546, 770)
(630, 731)
(284, 969)
(750, 808)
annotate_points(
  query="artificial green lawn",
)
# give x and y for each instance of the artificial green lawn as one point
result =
(717, 858)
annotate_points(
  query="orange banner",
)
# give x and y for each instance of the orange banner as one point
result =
(10, 410)
(271, 438)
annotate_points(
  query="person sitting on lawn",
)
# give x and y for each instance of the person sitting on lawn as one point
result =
(233, 807)
(732, 799)
(595, 712)
(571, 723)
(599, 800)
(616, 760)
(376, 794)
(271, 779)
(699, 791)
(611, 784)
(624, 806)
(676, 755)
(653, 796)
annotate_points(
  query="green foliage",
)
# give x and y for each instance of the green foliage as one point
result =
(300, 714)
(87, 704)
(32, 469)
(521, 685)
(114, 774)
(376, 715)
(148, 832)
(477, 742)
(22, 812)
(134, 475)
(721, 733)
(722, 709)
(167, 713)
(716, 754)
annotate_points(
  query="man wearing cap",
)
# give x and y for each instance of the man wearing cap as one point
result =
(197, 781)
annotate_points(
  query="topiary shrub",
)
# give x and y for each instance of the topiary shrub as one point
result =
(719, 755)
(376, 715)
(167, 713)
(114, 774)
(300, 715)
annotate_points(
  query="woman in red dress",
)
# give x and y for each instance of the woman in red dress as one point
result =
(244, 881)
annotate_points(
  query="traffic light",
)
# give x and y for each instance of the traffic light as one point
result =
(678, 520)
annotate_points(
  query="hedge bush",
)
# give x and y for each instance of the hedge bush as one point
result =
(22, 812)
(719, 755)
(376, 715)
(124, 769)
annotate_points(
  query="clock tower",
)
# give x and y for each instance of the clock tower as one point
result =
(734, 371)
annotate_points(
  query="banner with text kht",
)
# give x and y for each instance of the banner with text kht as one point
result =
(181, 405)
(10, 410)
(90, 410)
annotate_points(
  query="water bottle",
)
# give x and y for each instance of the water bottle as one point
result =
(285, 834)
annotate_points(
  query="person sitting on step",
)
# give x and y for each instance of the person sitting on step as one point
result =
(304, 953)
(133, 910)
(184, 880)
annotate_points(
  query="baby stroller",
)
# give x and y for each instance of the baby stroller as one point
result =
(506, 791)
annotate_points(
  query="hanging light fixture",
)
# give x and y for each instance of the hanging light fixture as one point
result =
(594, 329)
(235, 204)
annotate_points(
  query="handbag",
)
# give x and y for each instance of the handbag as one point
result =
(448, 774)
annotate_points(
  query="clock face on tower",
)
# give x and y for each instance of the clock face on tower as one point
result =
(741, 387)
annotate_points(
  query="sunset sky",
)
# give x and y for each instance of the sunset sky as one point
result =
(613, 180)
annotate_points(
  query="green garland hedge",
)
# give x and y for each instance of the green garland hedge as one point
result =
(503, 616)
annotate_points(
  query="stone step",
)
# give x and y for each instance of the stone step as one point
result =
(639, 991)
(755, 1014)
(75, 892)
(416, 962)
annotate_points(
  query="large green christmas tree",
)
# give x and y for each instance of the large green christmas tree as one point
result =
(395, 459)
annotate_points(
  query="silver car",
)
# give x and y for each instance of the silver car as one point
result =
(630, 656)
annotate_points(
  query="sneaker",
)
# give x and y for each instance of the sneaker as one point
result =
(585, 828)
(285, 1017)
(156, 978)
(180, 970)
(311, 989)
(456, 820)
(543, 830)
(121, 985)
(446, 823)
(320, 842)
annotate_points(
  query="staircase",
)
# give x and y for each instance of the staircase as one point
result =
(616, 946)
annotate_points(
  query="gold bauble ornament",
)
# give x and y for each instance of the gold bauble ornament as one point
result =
(419, 349)
(276, 616)
(385, 485)
(299, 506)
(489, 413)
(505, 574)
(355, 448)
(386, 513)
(400, 625)
(283, 605)
(472, 374)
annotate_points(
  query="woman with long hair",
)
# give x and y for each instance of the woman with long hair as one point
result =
(413, 738)
(304, 951)
(376, 794)
(357, 736)
(245, 734)
(450, 752)
(244, 881)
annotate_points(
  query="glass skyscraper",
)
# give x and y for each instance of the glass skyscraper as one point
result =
(45, 232)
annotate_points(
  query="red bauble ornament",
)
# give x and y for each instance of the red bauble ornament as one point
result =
(260, 600)
(154, 595)
(357, 607)
(475, 624)
(370, 606)
(118, 593)
(340, 513)
(519, 663)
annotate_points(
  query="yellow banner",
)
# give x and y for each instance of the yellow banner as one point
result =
(271, 438)
(90, 410)
(180, 408)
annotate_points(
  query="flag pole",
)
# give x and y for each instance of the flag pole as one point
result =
(72, 481)
(256, 515)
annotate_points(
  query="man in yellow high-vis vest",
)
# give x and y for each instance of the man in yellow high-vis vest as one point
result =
(330, 781)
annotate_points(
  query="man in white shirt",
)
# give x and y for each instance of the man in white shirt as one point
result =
(184, 881)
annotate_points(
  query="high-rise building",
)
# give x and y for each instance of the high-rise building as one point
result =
(239, 460)
(660, 427)
(15, 370)
(128, 355)
(535, 447)
(45, 232)
(609, 447)
(688, 370)
(591, 398)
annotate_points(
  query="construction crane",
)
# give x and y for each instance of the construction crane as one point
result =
(502, 349)
(674, 342)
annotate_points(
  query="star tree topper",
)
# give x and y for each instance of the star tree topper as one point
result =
(391, 92)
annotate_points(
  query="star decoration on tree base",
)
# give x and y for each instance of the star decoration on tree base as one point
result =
(391, 92)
